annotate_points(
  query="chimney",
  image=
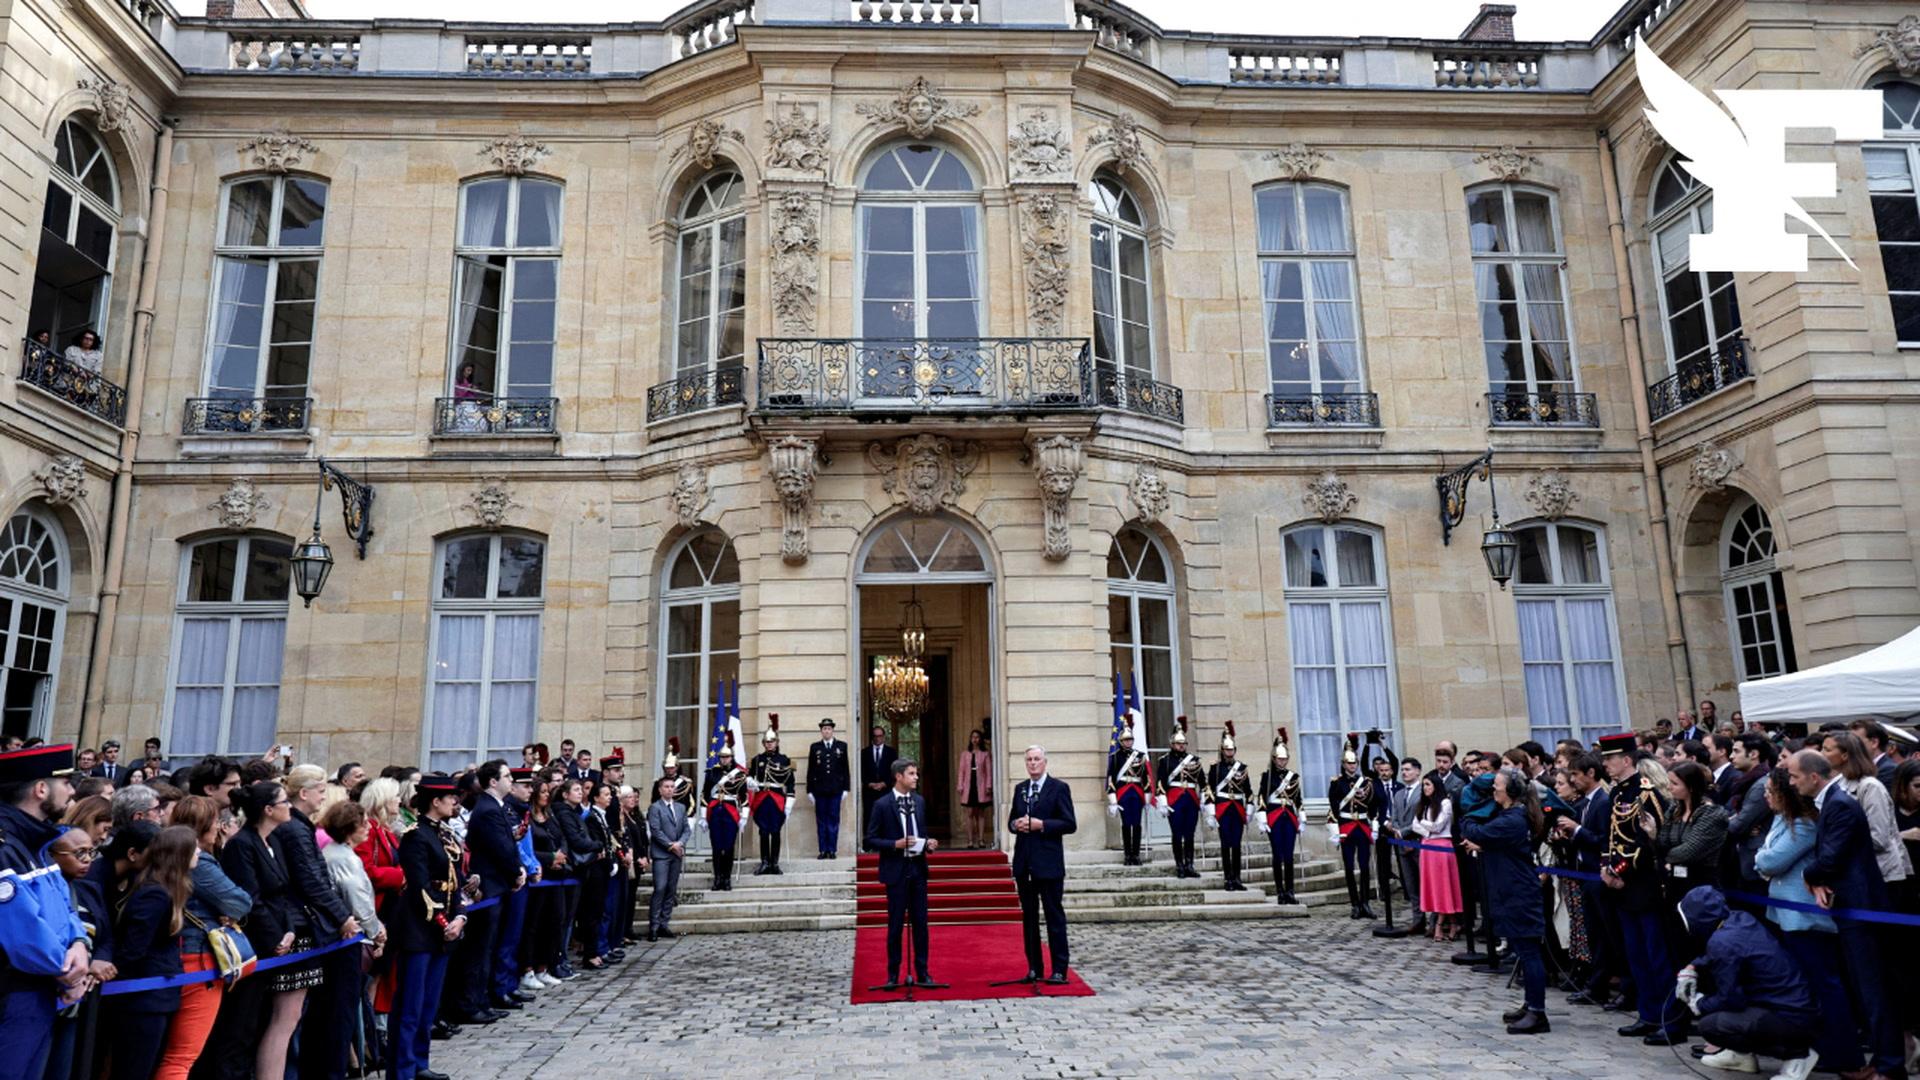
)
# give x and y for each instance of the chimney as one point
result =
(219, 9)
(1494, 23)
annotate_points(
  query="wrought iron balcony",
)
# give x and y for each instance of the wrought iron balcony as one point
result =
(495, 416)
(1518, 408)
(247, 416)
(77, 386)
(1323, 410)
(1699, 377)
(948, 375)
(696, 392)
(1138, 393)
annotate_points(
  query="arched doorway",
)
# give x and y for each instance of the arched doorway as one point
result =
(942, 564)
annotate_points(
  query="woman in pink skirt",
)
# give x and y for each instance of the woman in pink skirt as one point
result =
(1439, 873)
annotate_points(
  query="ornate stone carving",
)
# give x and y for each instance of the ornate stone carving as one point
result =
(241, 505)
(1039, 150)
(515, 154)
(1044, 227)
(1057, 462)
(796, 141)
(62, 480)
(1508, 163)
(795, 222)
(1902, 41)
(1328, 497)
(1551, 494)
(706, 138)
(1122, 134)
(924, 472)
(276, 151)
(919, 108)
(112, 105)
(1148, 493)
(1297, 161)
(1650, 139)
(690, 496)
(491, 502)
(793, 470)
(1712, 464)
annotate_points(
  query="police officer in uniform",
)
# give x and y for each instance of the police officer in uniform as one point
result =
(1183, 787)
(1232, 787)
(829, 776)
(771, 782)
(43, 945)
(1129, 789)
(723, 791)
(1354, 802)
(1281, 798)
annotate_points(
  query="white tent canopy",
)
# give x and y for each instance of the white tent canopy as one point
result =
(1882, 682)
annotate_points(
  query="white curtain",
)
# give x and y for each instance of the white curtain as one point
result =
(238, 317)
(1535, 226)
(456, 685)
(1326, 220)
(256, 690)
(1316, 700)
(1590, 641)
(1277, 212)
(516, 660)
(1364, 634)
(1540, 658)
(198, 687)
(483, 205)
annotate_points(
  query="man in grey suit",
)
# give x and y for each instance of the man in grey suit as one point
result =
(1402, 796)
(667, 829)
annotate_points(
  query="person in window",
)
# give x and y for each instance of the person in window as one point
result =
(85, 352)
(39, 344)
(468, 399)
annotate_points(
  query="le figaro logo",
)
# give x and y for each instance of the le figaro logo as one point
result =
(1743, 158)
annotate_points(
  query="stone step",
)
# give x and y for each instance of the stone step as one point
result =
(763, 908)
(1188, 912)
(742, 924)
(745, 878)
(840, 893)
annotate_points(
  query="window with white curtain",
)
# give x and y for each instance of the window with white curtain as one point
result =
(1700, 311)
(1341, 639)
(701, 615)
(1756, 594)
(919, 243)
(33, 615)
(1122, 316)
(484, 657)
(1307, 285)
(1142, 625)
(73, 277)
(267, 284)
(506, 288)
(1892, 168)
(1568, 645)
(712, 308)
(230, 631)
(1519, 273)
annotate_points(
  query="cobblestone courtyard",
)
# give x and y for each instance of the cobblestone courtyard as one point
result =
(1295, 998)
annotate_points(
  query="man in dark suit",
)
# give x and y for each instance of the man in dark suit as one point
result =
(1042, 813)
(1720, 766)
(494, 856)
(110, 767)
(895, 828)
(1844, 873)
(876, 770)
(1874, 734)
(828, 779)
(1587, 829)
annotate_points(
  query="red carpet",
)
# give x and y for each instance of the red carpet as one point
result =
(962, 887)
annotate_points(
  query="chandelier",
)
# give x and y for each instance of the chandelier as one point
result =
(899, 683)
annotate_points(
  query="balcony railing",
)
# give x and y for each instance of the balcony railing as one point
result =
(247, 416)
(1323, 410)
(802, 375)
(696, 392)
(1138, 393)
(495, 416)
(1699, 377)
(1518, 408)
(77, 386)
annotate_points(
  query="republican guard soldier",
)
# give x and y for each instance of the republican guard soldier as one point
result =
(724, 791)
(1354, 802)
(1129, 789)
(1232, 787)
(1281, 797)
(1183, 787)
(770, 782)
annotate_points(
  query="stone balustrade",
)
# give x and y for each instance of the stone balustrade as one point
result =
(934, 12)
(532, 54)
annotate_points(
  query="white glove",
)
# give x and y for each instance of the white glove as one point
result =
(1688, 984)
(1333, 834)
(1264, 827)
(1113, 809)
(1113, 799)
(1212, 822)
(700, 819)
(1161, 803)
(1693, 1002)
(752, 784)
(812, 800)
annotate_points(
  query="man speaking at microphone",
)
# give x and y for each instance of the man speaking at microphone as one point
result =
(896, 829)
(1042, 814)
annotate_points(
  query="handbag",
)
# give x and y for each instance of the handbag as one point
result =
(233, 954)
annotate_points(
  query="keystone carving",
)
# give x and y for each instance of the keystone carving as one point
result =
(924, 472)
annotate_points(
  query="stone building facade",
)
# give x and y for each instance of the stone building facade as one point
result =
(686, 354)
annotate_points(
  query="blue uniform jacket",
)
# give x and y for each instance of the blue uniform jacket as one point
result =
(37, 920)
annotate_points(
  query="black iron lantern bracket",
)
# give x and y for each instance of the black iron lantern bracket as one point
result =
(356, 505)
(1453, 492)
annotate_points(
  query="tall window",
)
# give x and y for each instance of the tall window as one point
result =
(702, 634)
(268, 281)
(1141, 626)
(1307, 283)
(713, 277)
(1519, 274)
(506, 282)
(1567, 639)
(1341, 642)
(919, 246)
(1891, 171)
(1122, 319)
(1756, 595)
(486, 648)
(1701, 312)
(33, 613)
(230, 629)
(72, 276)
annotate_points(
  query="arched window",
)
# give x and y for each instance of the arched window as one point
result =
(919, 242)
(484, 669)
(1568, 644)
(1519, 274)
(700, 629)
(1307, 284)
(712, 328)
(1892, 167)
(1342, 642)
(909, 546)
(1143, 627)
(230, 630)
(506, 285)
(1756, 595)
(1122, 307)
(1700, 313)
(71, 279)
(33, 615)
(267, 267)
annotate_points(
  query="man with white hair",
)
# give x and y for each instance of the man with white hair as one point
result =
(1042, 813)
(136, 803)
